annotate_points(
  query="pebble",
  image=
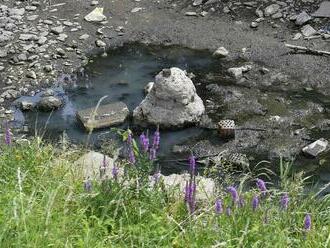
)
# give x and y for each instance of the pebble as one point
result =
(62, 37)
(100, 43)
(271, 9)
(31, 74)
(302, 18)
(254, 24)
(308, 30)
(221, 52)
(30, 8)
(32, 17)
(42, 40)
(94, 3)
(191, 13)
(84, 37)
(137, 9)
(57, 30)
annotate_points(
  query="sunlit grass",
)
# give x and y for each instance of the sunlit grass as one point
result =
(44, 204)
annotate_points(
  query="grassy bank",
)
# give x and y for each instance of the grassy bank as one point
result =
(45, 203)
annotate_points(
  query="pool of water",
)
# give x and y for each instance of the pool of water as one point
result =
(122, 76)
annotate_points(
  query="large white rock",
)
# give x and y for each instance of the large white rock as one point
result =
(172, 101)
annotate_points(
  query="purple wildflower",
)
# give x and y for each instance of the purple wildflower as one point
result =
(103, 167)
(241, 202)
(262, 186)
(234, 195)
(228, 211)
(156, 177)
(255, 203)
(218, 206)
(7, 135)
(115, 172)
(131, 155)
(284, 201)
(190, 193)
(192, 164)
(88, 185)
(156, 140)
(308, 222)
(144, 141)
(152, 154)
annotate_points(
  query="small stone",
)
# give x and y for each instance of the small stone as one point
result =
(137, 9)
(49, 103)
(197, 2)
(277, 15)
(3, 53)
(315, 148)
(62, 37)
(191, 13)
(30, 8)
(221, 52)
(236, 72)
(100, 43)
(254, 24)
(226, 10)
(84, 37)
(297, 36)
(271, 9)
(57, 30)
(94, 3)
(96, 16)
(60, 51)
(32, 17)
(302, 18)
(31, 74)
(48, 68)
(28, 37)
(259, 13)
(308, 30)
(67, 23)
(42, 40)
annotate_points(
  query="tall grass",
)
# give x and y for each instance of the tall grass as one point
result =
(43, 204)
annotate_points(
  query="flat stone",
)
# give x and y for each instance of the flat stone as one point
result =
(302, 18)
(42, 40)
(30, 8)
(28, 37)
(106, 115)
(137, 9)
(96, 16)
(84, 37)
(32, 17)
(57, 30)
(15, 12)
(323, 10)
(190, 13)
(316, 147)
(62, 37)
(197, 2)
(308, 30)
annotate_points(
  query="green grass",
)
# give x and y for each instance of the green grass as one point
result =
(43, 204)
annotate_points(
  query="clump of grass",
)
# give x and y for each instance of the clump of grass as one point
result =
(44, 204)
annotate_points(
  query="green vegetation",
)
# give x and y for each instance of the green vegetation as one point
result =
(44, 204)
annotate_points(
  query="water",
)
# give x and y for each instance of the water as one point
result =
(123, 75)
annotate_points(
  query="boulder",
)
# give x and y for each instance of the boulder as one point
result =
(105, 116)
(172, 101)
(205, 186)
(96, 15)
(90, 163)
(49, 103)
